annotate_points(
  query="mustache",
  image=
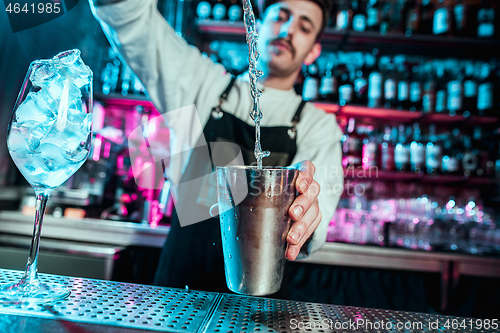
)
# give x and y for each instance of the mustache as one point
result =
(286, 42)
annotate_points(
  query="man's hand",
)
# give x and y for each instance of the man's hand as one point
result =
(304, 211)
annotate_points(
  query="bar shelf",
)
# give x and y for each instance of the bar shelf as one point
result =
(392, 43)
(372, 174)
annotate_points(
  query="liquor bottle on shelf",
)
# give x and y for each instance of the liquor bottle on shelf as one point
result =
(455, 92)
(361, 85)
(386, 16)
(370, 150)
(374, 81)
(441, 24)
(470, 161)
(351, 146)
(402, 151)
(373, 15)
(485, 161)
(397, 24)
(461, 21)
(426, 17)
(452, 154)
(390, 86)
(417, 150)
(470, 90)
(310, 88)
(485, 91)
(403, 89)
(486, 19)
(346, 88)
(219, 10)
(412, 17)
(387, 147)
(203, 10)
(344, 15)
(358, 16)
(234, 11)
(433, 152)
(328, 89)
(416, 89)
(441, 88)
(429, 90)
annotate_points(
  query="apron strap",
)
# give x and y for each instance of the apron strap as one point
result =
(296, 117)
(216, 112)
(225, 93)
(292, 132)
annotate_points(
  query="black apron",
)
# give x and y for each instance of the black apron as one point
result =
(192, 255)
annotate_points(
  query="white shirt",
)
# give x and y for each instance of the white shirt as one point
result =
(177, 77)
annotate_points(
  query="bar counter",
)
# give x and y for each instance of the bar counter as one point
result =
(109, 307)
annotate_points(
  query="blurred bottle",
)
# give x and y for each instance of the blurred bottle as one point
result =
(429, 90)
(373, 15)
(328, 89)
(402, 151)
(417, 150)
(485, 91)
(403, 89)
(352, 146)
(397, 25)
(412, 17)
(470, 90)
(426, 17)
(461, 22)
(486, 19)
(390, 86)
(416, 89)
(344, 15)
(311, 83)
(234, 11)
(370, 149)
(442, 18)
(203, 10)
(219, 10)
(433, 152)
(358, 16)
(387, 147)
(453, 154)
(374, 81)
(386, 17)
(470, 161)
(485, 165)
(361, 85)
(455, 92)
(441, 88)
(346, 88)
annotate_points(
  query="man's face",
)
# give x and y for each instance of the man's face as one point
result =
(287, 36)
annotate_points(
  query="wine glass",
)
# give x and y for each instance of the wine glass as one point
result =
(49, 138)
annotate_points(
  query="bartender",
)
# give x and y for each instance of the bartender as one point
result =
(191, 91)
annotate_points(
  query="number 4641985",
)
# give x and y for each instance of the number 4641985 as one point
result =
(471, 324)
(40, 8)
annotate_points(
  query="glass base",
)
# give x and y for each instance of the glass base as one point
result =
(33, 293)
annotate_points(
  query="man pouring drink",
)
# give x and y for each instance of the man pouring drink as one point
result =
(178, 77)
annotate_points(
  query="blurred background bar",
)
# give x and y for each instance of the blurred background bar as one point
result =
(415, 86)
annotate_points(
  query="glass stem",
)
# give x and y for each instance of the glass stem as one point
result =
(31, 273)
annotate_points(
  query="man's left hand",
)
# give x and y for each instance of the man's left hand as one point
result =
(304, 210)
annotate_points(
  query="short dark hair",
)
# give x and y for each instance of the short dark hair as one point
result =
(325, 5)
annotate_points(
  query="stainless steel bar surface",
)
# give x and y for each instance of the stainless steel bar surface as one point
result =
(112, 307)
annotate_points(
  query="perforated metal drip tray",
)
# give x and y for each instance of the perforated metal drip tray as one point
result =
(176, 310)
(119, 304)
(249, 314)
